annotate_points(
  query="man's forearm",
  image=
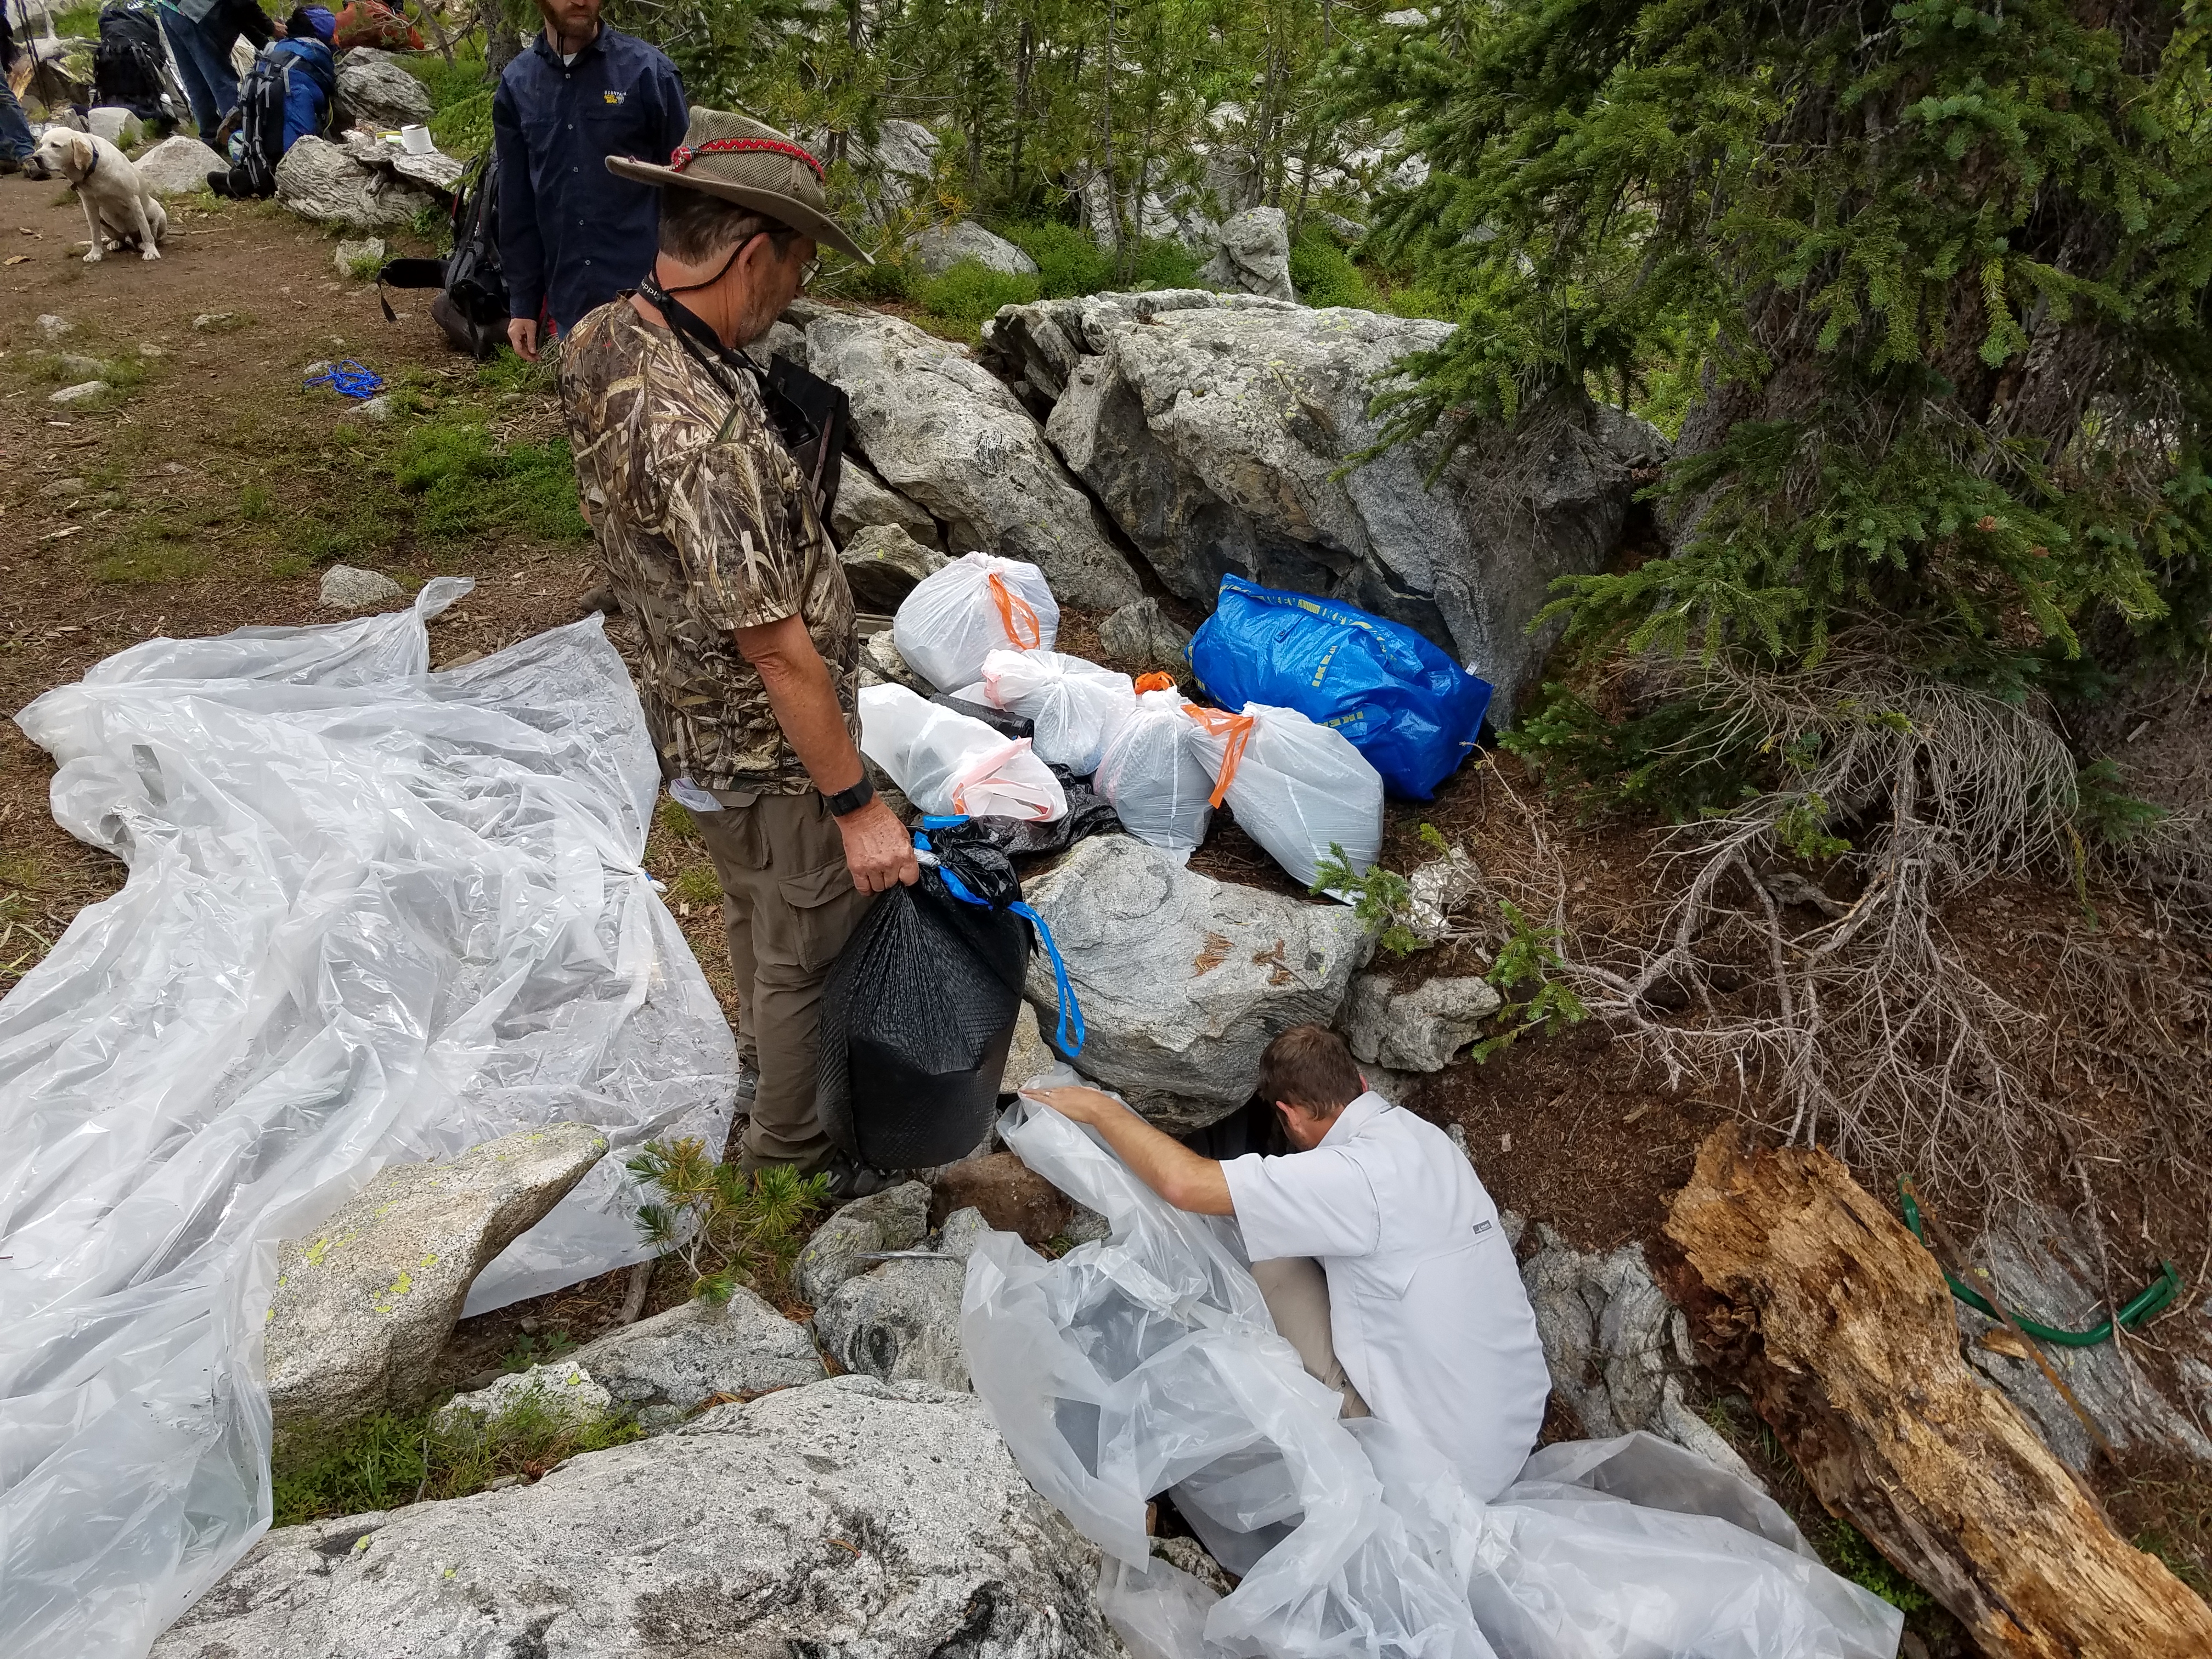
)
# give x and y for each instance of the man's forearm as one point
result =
(1185, 1179)
(804, 700)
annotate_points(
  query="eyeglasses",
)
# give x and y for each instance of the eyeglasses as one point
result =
(813, 270)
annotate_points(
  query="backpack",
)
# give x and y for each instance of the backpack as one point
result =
(128, 69)
(262, 114)
(260, 130)
(471, 306)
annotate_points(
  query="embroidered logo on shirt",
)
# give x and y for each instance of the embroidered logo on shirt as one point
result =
(612, 97)
(1481, 1228)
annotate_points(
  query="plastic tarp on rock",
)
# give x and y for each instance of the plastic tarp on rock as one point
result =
(374, 914)
(1147, 1362)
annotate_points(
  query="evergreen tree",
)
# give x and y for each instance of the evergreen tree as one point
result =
(1924, 284)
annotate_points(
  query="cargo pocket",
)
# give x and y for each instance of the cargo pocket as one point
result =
(825, 907)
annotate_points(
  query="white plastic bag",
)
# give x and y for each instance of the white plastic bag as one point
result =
(1145, 1362)
(978, 604)
(1076, 706)
(1296, 787)
(373, 915)
(945, 763)
(1154, 772)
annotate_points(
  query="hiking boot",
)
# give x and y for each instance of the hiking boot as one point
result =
(10, 164)
(849, 1179)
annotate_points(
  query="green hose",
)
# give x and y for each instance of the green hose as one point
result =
(2153, 1299)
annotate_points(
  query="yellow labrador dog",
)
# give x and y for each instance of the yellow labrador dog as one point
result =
(121, 210)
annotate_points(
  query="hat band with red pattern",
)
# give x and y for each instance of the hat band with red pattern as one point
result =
(683, 155)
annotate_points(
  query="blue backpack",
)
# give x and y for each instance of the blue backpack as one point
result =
(1408, 708)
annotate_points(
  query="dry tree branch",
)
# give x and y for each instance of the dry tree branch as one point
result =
(1869, 1029)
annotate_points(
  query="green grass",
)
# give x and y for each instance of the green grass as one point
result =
(696, 885)
(81, 23)
(449, 84)
(508, 372)
(391, 1461)
(157, 550)
(675, 818)
(460, 101)
(465, 484)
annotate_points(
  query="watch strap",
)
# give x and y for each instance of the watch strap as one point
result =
(846, 802)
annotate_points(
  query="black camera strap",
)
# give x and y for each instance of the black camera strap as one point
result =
(812, 424)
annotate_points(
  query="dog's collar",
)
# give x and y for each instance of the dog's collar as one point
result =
(93, 169)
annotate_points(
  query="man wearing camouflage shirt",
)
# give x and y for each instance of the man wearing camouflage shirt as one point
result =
(713, 539)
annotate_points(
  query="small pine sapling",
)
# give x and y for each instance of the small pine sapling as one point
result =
(1529, 958)
(731, 1226)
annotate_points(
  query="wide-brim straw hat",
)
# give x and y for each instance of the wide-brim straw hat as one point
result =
(746, 161)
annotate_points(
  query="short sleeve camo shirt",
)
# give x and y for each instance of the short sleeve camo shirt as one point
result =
(705, 524)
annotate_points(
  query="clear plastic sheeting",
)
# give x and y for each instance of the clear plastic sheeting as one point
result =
(1145, 1363)
(374, 914)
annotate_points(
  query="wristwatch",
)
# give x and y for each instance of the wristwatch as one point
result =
(846, 802)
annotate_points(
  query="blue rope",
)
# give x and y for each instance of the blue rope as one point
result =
(1070, 1013)
(349, 380)
(1069, 1009)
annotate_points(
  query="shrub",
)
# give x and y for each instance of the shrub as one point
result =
(1164, 264)
(464, 129)
(1323, 273)
(1069, 263)
(971, 291)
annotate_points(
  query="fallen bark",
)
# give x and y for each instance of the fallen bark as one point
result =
(1803, 1289)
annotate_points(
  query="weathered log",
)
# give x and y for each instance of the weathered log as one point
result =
(1803, 1289)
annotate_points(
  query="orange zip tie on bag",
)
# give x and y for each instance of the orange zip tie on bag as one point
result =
(1237, 728)
(1154, 682)
(1012, 605)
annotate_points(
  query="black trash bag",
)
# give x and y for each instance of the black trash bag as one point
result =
(918, 1009)
(1089, 813)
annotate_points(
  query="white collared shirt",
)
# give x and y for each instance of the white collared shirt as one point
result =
(1427, 1311)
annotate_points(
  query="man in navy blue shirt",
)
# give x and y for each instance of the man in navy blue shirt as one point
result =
(572, 234)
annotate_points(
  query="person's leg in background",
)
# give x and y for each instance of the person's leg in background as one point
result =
(1296, 1290)
(210, 87)
(184, 45)
(790, 906)
(15, 127)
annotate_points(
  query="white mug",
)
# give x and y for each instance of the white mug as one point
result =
(415, 140)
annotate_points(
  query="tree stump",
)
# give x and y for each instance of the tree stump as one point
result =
(1803, 1289)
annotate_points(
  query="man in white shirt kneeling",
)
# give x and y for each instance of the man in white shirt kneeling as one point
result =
(1424, 1322)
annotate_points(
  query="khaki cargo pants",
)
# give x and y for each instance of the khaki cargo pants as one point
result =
(788, 906)
(1296, 1290)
